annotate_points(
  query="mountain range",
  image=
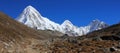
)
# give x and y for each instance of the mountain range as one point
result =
(32, 18)
(15, 37)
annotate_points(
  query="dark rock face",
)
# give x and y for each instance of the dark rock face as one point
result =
(65, 36)
(112, 49)
(110, 38)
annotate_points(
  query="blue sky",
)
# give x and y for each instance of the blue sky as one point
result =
(79, 12)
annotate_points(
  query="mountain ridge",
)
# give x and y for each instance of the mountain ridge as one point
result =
(32, 18)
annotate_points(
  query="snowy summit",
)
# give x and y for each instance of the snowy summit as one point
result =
(32, 18)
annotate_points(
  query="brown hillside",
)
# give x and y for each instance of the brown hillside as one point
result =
(101, 41)
(18, 38)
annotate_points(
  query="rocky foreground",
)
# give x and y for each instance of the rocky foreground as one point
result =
(18, 38)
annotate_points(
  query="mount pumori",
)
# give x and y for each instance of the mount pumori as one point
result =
(32, 18)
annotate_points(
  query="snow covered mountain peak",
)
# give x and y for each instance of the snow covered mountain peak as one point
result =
(97, 24)
(67, 22)
(68, 27)
(31, 10)
(96, 21)
(32, 18)
(29, 7)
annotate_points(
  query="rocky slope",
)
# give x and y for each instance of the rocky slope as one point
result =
(32, 18)
(106, 40)
(18, 38)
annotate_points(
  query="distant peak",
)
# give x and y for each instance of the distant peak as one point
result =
(97, 24)
(67, 21)
(96, 20)
(29, 7)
